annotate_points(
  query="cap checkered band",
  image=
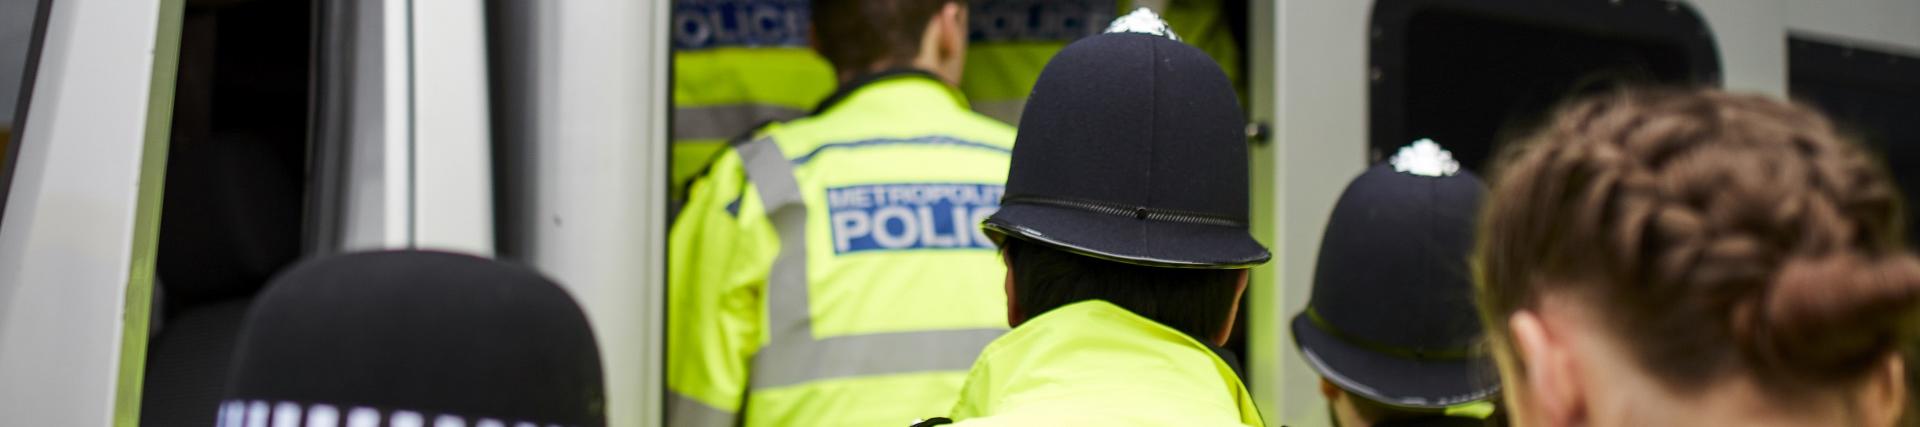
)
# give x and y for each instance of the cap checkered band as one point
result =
(261, 413)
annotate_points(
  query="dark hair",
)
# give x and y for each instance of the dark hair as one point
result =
(1375, 412)
(855, 34)
(1194, 301)
(1720, 234)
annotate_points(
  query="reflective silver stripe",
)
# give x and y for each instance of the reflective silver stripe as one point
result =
(683, 411)
(871, 354)
(725, 121)
(772, 174)
(1006, 110)
(793, 356)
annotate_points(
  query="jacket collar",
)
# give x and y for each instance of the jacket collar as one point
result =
(1097, 350)
(852, 87)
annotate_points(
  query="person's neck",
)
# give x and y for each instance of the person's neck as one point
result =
(923, 63)
(1726, 402)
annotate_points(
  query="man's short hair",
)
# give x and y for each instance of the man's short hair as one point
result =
(1374, 412)
(1194, 301)
(855, 34)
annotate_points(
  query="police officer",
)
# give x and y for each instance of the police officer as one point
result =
(406, 339)
(827, 271)
(737, 64)
(1013, 39)
(1391, 325)
(1124, 229)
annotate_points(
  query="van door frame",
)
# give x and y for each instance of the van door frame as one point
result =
(77, 243)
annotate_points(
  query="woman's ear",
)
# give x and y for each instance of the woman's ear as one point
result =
(1555, 394)
(1883, 396)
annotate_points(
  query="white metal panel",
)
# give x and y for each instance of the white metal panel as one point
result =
(420, 172)
(396, 135)
(1264, 296)
(65, 246)
(594, 81)
(1752, 43)
(453, 191)
(378, 186)
(1317, 106)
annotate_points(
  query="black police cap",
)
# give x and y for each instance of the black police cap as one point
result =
(1391, 316)
(413, 338)
(1132, 149)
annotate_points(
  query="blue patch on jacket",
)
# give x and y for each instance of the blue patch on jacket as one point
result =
(910, 216)
(702, 24)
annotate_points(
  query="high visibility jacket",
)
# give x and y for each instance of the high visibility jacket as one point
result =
(830, 271)
(737, 64)
(1092, 363)
(1010, 41)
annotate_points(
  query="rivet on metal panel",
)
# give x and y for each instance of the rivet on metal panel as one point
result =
(1257, 133)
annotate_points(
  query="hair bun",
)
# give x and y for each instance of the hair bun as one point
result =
(1830, 317)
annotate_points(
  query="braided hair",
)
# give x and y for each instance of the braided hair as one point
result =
(1719, 234)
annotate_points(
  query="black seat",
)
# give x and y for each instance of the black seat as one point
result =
(414, 335)
(230, 220)
(187, 364)
(233, 200)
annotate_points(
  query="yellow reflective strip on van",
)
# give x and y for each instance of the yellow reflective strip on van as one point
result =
(146, 223)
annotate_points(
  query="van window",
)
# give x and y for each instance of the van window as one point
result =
(1471, 74)
(21, 24)
(1869, 91)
